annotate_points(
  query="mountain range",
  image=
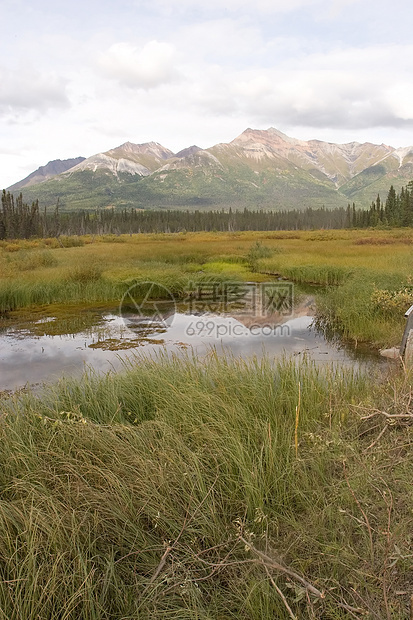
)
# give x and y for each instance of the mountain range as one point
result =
(50, 170)
(260, 169)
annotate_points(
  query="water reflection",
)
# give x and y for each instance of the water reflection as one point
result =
(36, 351)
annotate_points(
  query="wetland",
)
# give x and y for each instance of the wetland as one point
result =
(193, 454)
(62, 306)
(38, 347)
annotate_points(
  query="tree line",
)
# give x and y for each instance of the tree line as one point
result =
(19, 220)
(395, 211)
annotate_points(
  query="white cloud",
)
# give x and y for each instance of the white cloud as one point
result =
(225, 39)
(263, 6)
(400, 99)
(200, 73)
(340, 89)
(25, 89)
(146, 67)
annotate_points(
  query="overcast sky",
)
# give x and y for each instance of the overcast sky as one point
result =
(81, 77)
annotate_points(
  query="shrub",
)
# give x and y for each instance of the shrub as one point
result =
(390, 302)
(257, 251)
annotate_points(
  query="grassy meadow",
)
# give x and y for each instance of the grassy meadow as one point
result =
(215, 489)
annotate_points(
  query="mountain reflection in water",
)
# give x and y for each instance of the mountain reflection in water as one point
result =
(31, 356)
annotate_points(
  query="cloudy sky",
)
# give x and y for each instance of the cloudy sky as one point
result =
(84, 76)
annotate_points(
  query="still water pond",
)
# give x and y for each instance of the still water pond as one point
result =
(45, 347)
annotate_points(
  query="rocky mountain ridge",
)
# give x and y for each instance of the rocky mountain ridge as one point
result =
(258, 169)
(51, 169)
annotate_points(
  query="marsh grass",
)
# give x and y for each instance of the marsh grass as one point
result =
(350, 267)
(323, 275)
(126, 495)
(25, 260)
(352, 311)
(84, 274)
(21, 294)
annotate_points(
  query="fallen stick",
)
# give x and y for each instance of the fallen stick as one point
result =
(269, 562)
(284, 600)
(161, 564)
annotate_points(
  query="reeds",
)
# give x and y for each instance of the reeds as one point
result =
(22, 294)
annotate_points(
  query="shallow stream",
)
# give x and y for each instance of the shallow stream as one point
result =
(44, 346)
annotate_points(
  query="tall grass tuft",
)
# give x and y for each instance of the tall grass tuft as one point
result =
(83, 274)
(22, 294)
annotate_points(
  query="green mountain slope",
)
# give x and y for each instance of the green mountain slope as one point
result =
(258, 169)
(396, 170)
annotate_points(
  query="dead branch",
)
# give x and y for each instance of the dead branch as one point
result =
(389, 416)
(161, 564)
(271, 563)
(361, 510)
(284, 600)
(352, 610)
(373, 443)
(170, 547)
